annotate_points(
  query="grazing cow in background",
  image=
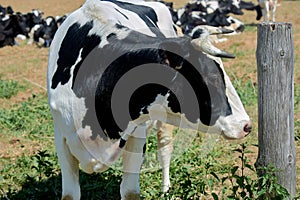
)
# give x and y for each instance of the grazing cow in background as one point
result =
(102, 42)
(268, 6)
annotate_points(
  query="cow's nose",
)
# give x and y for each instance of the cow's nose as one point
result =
(248, 127)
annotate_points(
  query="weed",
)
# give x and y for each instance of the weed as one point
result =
(245, 187)
(31, 116)
(9, 88)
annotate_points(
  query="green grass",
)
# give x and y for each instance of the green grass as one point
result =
(31, 118)
(9, 88)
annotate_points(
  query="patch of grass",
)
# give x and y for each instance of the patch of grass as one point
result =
(194, 174)
(247, 90)
(9, 88)
(31, 117)
(251, 28)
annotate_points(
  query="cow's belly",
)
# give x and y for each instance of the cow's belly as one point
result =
(93, 153)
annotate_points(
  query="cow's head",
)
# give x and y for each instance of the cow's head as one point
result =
(218, 106)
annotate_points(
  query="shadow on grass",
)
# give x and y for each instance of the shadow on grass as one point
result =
(104, 185)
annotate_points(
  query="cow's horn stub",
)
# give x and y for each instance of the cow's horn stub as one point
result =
(204, 45)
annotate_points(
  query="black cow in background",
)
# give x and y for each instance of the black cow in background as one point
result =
(12, 25)
(31, 26)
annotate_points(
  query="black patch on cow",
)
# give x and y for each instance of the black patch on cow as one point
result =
(207, 79)
(122, 143)
(110, 35)
(75, 39)
(197, 33)
(146, 94)
(147, 14)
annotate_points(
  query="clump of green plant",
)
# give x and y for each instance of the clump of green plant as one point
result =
(243, 186)
(31, 116)
(9, 88)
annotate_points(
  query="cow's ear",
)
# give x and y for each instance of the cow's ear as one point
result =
(173, 51)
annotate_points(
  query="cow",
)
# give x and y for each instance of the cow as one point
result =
(107, 45)
(33, 18)
(267, 6)
(5, 11)
(43, 33)
(11, 26)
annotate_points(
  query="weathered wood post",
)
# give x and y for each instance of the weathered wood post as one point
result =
(275, 73)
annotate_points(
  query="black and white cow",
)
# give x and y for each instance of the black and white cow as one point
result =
(11, 26)
(114, 57)
(5, 11)
(33, 18)
(268, 6)
(44, 32)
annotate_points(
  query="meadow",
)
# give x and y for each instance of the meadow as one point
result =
(211, 167)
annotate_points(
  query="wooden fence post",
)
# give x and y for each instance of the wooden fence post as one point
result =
(275, 73)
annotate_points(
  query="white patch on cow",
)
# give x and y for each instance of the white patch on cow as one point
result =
(5, 18)
(196, 14)
(79, 58)
(21, 37)
(36, 12)
(48, 21)
(212, 6)
(236, 3)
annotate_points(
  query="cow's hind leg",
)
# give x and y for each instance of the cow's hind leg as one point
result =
(165, 148)
(69, 168)
(133, 156)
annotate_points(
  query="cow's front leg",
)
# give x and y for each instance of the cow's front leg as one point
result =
(133, 157)
(165, 148)
(69, 169)
(274, 10)
(266, 11)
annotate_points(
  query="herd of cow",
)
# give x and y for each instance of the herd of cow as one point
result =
(31, 26)
(213, 13)
(39, 30)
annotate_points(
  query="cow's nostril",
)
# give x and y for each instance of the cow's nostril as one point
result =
(248, 127)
